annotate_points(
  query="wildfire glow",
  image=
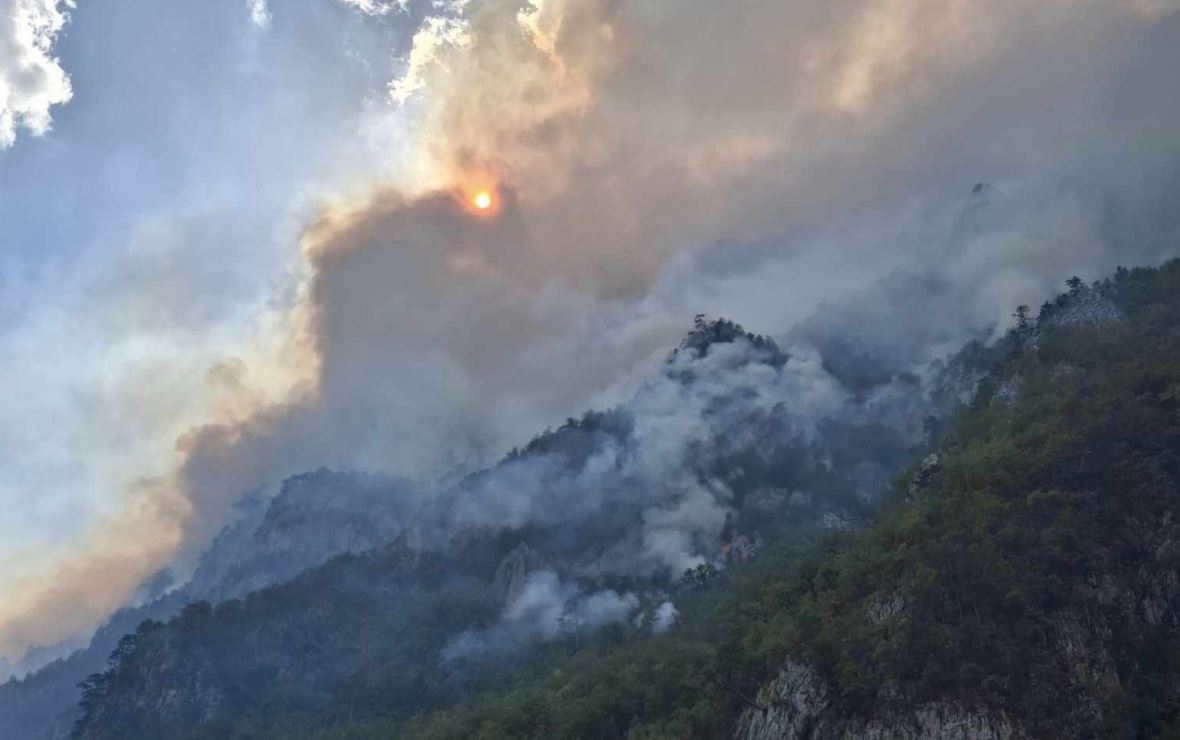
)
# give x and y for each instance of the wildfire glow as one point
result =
(482, 200)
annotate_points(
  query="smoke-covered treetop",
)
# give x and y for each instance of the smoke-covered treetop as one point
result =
(706, 333)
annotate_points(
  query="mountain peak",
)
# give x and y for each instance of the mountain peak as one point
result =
(705, 334)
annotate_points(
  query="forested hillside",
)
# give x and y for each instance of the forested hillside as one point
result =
(1022, 579)
(589, 370)
(590, 525)
(312, 518)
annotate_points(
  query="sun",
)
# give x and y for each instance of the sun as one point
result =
(482, 200)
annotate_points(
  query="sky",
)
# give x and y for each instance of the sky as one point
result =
(238, 238)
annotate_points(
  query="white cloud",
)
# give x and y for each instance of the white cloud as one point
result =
(377, 7)
(259, 13)
(261, 16)
(31, 79)
(437, 34)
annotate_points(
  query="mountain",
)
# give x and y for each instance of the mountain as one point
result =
(1021, 581)
(1030, 586)
(600, 523)
(714, 539)
(312, 518)
(733, 439)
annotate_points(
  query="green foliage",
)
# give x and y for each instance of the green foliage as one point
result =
(1050, 517)
(1036, 571)
(624, 683)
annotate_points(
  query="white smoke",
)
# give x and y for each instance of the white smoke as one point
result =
(664, 617)
(651, 161)
(546, 609)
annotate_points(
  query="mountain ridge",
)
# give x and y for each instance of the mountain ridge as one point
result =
(754, 480)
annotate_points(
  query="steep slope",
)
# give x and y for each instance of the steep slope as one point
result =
(312, 518)
(732, 443)
(1031, 588)
(1023, 581)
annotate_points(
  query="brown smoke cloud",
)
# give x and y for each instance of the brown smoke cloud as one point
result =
(619, 137)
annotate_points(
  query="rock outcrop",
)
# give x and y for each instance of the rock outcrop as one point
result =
(796, 706)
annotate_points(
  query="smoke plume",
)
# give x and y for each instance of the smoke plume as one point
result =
(649, 161)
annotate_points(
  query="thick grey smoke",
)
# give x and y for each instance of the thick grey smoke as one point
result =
(442, 336)
(765, 161)
(635, 491)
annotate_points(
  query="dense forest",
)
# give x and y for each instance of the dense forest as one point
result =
(1030, 567)
(1026, 569)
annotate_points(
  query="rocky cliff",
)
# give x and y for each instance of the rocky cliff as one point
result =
(796, 706)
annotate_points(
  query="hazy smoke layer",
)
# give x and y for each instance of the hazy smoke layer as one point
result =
(651, 160)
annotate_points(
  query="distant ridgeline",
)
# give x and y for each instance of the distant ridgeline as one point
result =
(721, 555)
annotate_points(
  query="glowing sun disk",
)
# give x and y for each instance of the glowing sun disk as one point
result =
(482, 200)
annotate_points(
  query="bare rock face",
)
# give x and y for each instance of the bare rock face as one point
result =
(795, 706)
(1082, 306)
(742, 548)
(514, 570)
(1009, 391)
(794, 703)
(924, 477)
(1086, 306)
(315, 517)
